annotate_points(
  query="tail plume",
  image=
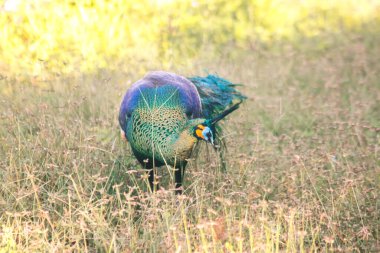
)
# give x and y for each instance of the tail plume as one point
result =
(216, 94)
(221, 116)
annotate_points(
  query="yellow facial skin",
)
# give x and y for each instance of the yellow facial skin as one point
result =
(199, 131)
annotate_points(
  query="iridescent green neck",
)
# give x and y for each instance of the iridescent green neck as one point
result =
(184, 141)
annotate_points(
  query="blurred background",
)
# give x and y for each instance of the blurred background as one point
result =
(45, 38)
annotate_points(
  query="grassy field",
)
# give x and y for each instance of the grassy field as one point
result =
(303, 160)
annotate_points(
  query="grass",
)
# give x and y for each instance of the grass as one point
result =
(303, 161)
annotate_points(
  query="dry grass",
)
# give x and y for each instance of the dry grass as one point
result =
(303, 162)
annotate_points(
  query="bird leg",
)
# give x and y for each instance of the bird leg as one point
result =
(179, 175)
(152, 180)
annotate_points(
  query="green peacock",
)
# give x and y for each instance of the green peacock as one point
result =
(164, 115)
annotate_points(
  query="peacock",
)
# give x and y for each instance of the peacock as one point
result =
(164, 115)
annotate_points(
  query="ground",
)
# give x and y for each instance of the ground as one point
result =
(302, 175)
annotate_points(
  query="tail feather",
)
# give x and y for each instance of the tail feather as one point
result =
(222, 115)
(216, 94)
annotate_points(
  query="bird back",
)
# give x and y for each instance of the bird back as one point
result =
(188, 94)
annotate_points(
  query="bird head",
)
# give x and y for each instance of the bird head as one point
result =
(204, 132)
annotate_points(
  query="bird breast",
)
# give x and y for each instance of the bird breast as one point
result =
(158, 133)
